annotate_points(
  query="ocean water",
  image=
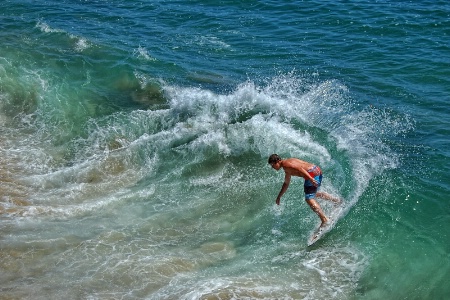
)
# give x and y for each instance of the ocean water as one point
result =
(134, 138)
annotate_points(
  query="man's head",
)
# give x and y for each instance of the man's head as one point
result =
(274, 160)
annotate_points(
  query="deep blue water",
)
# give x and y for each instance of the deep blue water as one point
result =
(135, 136)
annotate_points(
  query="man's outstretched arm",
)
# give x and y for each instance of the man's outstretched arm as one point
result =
(287, 181)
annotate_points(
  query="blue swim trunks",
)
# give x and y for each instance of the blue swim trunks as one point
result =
(310, 189)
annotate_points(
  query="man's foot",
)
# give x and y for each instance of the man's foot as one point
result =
(325, 223)
(336, 201)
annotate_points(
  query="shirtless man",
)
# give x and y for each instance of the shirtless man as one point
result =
(313, 178)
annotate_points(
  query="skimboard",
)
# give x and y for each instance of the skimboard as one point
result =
(320, 231)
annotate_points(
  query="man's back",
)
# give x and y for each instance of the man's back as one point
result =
(296, 167)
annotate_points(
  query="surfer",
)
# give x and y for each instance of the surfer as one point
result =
(313, 179)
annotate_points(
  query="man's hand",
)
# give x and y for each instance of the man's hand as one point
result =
(278, 201)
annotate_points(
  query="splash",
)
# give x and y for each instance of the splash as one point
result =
(79, 43)
(44, 27)
(315, 121)
(142, 53)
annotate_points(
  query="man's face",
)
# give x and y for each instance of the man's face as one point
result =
(276, 165)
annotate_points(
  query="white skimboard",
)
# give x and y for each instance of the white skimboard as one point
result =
(320, 231)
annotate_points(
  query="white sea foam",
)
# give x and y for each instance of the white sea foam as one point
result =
(81, 44)
(44, 27)
(330, 272)
(211, 42)
(143, 53)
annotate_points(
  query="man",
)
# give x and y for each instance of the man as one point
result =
(313, 179)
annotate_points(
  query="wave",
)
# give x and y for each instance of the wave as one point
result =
(79, 44)
(291, 116)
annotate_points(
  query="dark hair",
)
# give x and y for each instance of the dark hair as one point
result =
(274, 158)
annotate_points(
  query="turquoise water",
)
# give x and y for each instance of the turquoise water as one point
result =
(135, 136)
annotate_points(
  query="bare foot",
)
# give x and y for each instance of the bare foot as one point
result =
(337, 201)
(325, 223)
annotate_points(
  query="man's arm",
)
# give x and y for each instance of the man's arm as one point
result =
(308, 177)
(287, 181)
(299, 166)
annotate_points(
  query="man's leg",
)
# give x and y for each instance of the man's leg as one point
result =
(328, 197)
(316, 208)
